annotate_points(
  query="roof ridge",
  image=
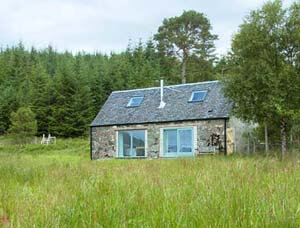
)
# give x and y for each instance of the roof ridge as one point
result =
(170, 86)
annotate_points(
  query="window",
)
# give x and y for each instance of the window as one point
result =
(131, 143)
(171, 138)
(178, 142)
(198, 96)
(185, 141)
(135, 101)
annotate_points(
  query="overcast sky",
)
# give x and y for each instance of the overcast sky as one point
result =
(107, 25)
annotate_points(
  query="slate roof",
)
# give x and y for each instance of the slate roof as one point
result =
(177, 108)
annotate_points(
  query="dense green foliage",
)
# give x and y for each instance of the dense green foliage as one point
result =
(23, 125)
(66, 91)
(57, 186)
(264, 81)
(188, 37)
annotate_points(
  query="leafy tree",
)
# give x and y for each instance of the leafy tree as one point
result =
(265, 80)
(295, 132)
(186, 36)
(23, 125)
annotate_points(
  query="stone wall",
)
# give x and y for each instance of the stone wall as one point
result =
(104, 139)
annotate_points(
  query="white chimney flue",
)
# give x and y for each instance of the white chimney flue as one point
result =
(162, 103)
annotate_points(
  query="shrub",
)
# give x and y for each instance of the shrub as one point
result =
(24, 125)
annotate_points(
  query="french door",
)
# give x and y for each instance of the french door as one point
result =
(178, 142)
(131, 143)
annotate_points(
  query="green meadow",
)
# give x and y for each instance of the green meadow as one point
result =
(58, 186)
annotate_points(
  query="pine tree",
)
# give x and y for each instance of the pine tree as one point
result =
(185, 37)
(71, 106)
(41, 98)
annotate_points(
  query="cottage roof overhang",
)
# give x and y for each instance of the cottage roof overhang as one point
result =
(177, 108)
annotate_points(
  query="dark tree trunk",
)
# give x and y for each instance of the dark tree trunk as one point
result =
(283, 132)
(248, 144)
(266, 138)
(183, 71)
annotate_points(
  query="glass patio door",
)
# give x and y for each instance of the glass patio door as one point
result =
(131, 143)
(170, 143)
(178, 142)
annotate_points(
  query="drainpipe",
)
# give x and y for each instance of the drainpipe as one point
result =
(225, 137)
(91, 138)
(162, 103)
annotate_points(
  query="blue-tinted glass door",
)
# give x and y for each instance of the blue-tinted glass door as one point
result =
(170, 143)
(131, 143)
(178, 142)
(138, 143)
(185, 141)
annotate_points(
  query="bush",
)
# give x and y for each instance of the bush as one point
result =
(24, 125)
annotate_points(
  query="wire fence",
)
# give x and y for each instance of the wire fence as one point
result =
(274, 148)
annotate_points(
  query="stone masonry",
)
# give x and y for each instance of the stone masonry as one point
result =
(104, 138)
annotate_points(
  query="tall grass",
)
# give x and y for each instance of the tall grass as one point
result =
(58, 186)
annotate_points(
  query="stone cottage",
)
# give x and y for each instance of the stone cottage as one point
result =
(167, 121)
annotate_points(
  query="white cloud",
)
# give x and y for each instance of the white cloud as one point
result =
(108, 25)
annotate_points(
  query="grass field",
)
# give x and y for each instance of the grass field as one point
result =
(58, 186)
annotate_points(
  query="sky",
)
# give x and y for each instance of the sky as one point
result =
(108, 25)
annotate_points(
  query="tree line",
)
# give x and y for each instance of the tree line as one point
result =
(261, 73)
(65, 91)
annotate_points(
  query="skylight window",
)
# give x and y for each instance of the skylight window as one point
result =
(198, 96)
(135, 101)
